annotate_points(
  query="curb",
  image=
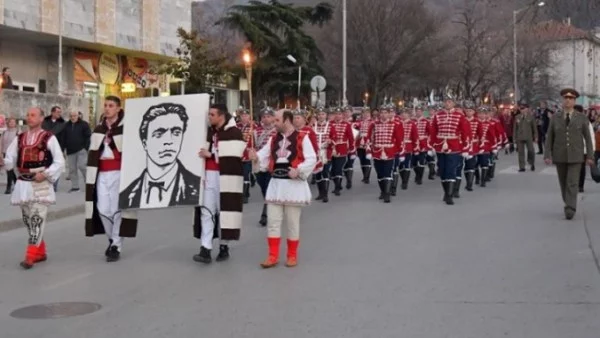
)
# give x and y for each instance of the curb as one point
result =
(52, 216)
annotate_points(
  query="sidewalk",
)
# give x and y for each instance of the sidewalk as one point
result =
(67, 204)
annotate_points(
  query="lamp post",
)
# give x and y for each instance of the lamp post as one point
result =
(247, 58)
(515, 76)
(344, 56)
(293, 60)
(60, 46)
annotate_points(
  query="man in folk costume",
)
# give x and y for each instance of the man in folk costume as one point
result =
(341, 139)
(362, 144)
(38, 160)
(322, 129)
(487, 146)
(349, 166)
(263, 134)
(246, 126)
(420, 157)
(450, 139)
(476, 139)
(220, 216)
(385, 137)
(411, 146)
(290, 157)
(103, 176)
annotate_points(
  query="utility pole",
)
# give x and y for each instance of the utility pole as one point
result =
(344, 57)
(60, 47)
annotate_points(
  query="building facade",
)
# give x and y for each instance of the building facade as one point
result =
(108, 46)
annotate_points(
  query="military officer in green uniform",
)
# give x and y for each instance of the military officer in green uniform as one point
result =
(525, 135)
(568, 135)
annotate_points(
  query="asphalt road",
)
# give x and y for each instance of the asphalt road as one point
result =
(501, 263)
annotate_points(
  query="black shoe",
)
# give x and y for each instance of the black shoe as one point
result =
(107, 251)
(263, 216)
(532, 168)
(203, 256)
(223, 253)
(73, 190)
(113, 254)
(569, 213)
(521, 170)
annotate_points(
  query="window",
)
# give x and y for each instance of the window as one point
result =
(26, 87)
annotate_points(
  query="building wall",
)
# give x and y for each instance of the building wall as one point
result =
(15, 104)
(149, 25)
(577, 65)
(28, 62)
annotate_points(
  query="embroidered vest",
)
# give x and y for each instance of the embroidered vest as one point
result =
(36, 155)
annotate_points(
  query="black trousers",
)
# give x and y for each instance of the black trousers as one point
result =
(323, 175)
(263, 179)
(337, 166)
(362, 157)
(349, 165)
(384, 168)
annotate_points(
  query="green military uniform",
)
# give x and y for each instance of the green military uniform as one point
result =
(524, 135)
(565, 147)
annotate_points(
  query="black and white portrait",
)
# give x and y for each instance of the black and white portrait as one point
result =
(161, 139)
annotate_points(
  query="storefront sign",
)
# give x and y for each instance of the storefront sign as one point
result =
(109, 68)
(114, 69)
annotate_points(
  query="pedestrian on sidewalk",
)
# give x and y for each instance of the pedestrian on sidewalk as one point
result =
(8, 136)
(56, 125)
(525, 134)
(288, 189)
(38, 160)
(103, 215)
(76, 136)
(221, 215)
(6, 81)
(568, 136)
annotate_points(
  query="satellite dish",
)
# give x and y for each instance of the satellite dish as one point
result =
(318, 83)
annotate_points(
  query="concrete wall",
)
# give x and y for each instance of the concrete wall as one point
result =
(15, 103)
(173, 14)
(79, 19)
(23, 14)
(129, 23)
(577, 65)
(28, 62)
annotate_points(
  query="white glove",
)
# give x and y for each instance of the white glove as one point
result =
(507, 146)
(353, 157)
(465, 155)
(369, 157)
(402, 158)
(495, 151)
(481, 151)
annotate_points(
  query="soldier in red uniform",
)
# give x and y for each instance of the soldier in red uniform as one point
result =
(301, 123)
(362, 143)
(394, 116)
(322, 129)
(501, 140)
(263, 134)
(431, 154)
(465, 155)
(385, 139)
(476, 138)
(411, 146)
(349, 166)
(450, 139)
(487, 145)
(420, 157)
(246, 126)
(341, 140)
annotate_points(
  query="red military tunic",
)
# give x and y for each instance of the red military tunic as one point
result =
(411, 137)
(450, 132)
(424, 131)
(342, 139)
(363, 129)
(247, 132)
(475, 125)
(385, 139)
(312, 136)
(262, 135)
(501, 138)
(488, 137)
(322, 131)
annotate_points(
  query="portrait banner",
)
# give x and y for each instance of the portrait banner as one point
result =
(161, 139)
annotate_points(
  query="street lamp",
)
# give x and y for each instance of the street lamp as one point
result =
(515, 80)
(247, 58)
(293, 60)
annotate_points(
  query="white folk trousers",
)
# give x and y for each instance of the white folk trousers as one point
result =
(277, 214)
(107, 190)
(211, 207)
(34, 217)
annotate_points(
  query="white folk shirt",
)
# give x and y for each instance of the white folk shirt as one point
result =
(26, 192)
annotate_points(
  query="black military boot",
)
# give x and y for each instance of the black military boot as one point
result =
(337, 182)
(223, 253)
(469, 183)
(445, 187)
(349, 174)
(405, 175)
(419, 171)
(325, 191)
(386, 190)
(263, 216)
(313, 180)
(484, 175)
(431, 171)
(394, 184)
(320, 185)
(203, 256)
(252, 180)
(449, 199)
(476, 174)
(381, 189)
(456, 191)
(491, 172)
(246, 192)
(366, 174)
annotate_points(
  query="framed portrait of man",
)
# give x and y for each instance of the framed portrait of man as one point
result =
(161, 138)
